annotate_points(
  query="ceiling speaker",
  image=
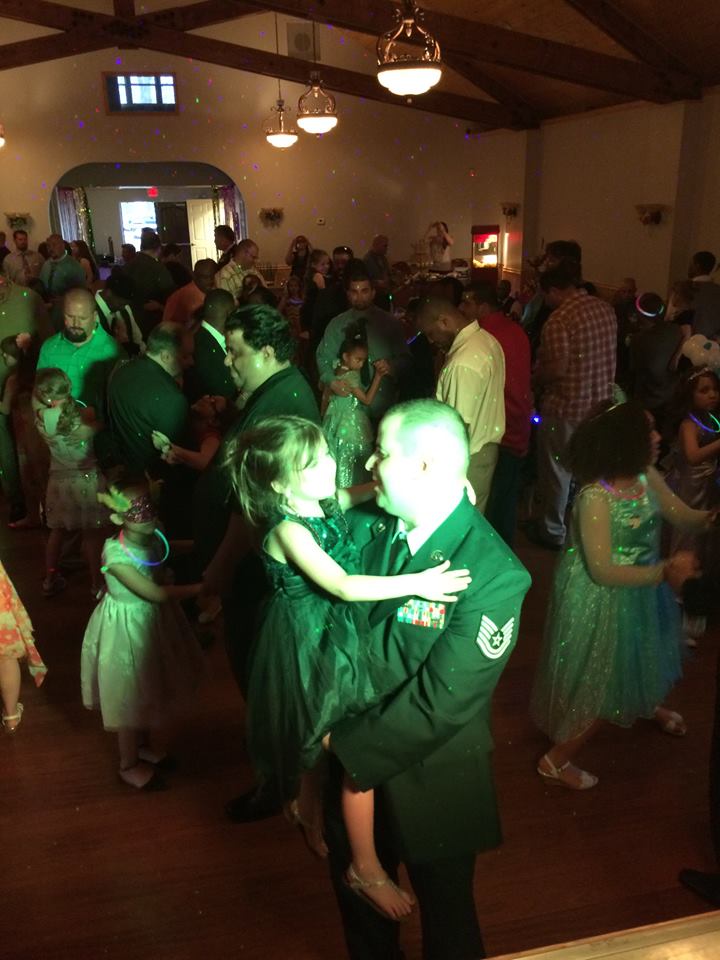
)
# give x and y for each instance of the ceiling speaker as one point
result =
(300, 40)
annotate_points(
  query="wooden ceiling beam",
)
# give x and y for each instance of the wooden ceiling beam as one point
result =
(508, 48)
(53, 47)
(471, 70)
(616, 25)
(138, 31)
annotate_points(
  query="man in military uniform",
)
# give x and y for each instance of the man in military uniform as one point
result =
(426, 746)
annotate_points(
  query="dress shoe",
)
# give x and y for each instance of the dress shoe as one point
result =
(251, 806)
(705, 885)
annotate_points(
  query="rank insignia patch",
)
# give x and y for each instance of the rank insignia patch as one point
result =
(493, 640)
(422, 613)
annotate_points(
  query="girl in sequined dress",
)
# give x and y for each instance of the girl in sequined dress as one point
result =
(71, 503)
(311, 663)
(346, 425)
(694, 471)
(612, 646)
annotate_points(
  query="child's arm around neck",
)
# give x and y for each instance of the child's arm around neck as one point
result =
(291, 542)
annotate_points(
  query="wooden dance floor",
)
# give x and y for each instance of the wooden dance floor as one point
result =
(94, 871)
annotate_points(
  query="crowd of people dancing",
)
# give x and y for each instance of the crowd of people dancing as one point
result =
(340, 467)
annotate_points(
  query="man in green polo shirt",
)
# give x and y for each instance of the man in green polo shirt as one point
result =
(83, 349)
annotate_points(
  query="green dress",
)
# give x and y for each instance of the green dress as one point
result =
(311, 663)
(349, 434)
(609, 652)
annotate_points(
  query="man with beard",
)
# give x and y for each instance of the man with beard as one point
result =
(83, 349)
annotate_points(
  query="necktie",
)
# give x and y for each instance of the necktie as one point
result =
(25, 274)
(399, 555)
(51, 276)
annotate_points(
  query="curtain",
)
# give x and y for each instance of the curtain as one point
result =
(67, 212)
(75, 221)
(231, 208)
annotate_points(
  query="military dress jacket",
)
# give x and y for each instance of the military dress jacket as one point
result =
(426, 745)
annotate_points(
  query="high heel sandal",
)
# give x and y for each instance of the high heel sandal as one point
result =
(554, 775)
(8, 718)
(311, 833)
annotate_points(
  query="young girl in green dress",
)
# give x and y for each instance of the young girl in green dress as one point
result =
(612, 648)
(311, 663)
(346, 425)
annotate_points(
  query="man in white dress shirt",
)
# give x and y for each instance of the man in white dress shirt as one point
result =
(472, 380)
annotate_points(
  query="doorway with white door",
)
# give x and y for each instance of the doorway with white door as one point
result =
(183, 202)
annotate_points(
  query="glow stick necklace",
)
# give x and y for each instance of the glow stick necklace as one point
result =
(703, 426)
(622, 495)
(146, 563)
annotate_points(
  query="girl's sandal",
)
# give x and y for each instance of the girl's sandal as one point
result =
(11, 721)
(670, 722)
(558, 775)
(360, 887)
(153, 783)
(311, 833)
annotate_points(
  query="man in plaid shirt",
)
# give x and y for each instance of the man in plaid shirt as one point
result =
(574, 373)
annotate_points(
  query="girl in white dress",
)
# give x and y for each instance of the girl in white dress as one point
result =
(140, 659)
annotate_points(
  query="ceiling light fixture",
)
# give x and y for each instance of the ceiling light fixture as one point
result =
(408, 74)
(276, 132)
(317, 112)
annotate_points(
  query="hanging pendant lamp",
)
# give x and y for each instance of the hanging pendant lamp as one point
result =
(408, 74)
(279, 132)
(316, 108)
(278, 129)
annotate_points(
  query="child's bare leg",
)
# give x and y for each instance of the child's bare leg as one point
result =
(366, 872)
(52, 551)
(10, 689)
(133, 771)
(306, 811)
(92, 544)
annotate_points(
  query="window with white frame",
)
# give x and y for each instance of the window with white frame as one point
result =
(140, 92)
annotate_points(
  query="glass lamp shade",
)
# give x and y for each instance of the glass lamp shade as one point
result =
(317, 124)
(409, 78)
(281, 140)
(316, 108)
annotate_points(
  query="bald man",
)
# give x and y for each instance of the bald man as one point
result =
(426, 746)
(83, 349)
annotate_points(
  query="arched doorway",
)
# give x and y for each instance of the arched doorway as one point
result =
(107, 204)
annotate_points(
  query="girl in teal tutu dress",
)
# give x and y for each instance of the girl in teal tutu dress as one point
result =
(346, 425)
(612, 648)
(311, 663)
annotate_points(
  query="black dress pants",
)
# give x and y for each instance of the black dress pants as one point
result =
(443, 889)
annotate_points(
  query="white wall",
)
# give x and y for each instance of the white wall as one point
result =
(595, 169)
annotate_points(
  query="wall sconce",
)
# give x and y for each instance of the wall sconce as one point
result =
(650, 214)
(510, 210)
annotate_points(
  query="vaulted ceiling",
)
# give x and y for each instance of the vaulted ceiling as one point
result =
(508, 63)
